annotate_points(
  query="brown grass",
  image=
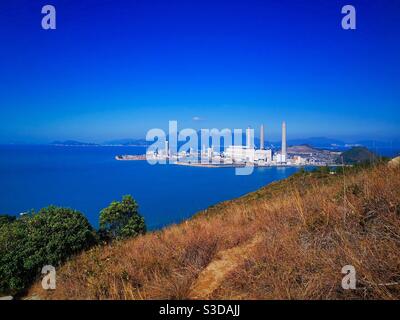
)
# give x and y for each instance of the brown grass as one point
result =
(308, 227)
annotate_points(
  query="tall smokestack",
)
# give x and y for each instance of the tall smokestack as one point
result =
(166, 148)
(248, 137)
(262, 137)
(283, 141)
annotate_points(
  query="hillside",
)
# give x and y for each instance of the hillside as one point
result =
(357, 155)
(302, 149)
(288, 240)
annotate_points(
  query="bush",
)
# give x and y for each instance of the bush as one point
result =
(48, 237)
(5, 218)
(121, 220)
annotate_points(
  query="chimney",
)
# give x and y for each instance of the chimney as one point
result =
(166, 148)
(262, 137)
(283, 152)
(248, 137)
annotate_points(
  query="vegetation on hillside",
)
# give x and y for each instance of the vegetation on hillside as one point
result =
(288, 240)
(121, 220)
(4, 219)
(53, 235)
(358, 155)
(48, 237)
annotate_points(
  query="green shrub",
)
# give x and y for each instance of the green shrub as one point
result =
(34, 240)
(5, 218)
(121, 220)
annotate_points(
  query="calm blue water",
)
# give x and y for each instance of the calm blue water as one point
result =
(89, 178)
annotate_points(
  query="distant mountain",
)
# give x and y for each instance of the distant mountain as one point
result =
(302, 149)
(357, 155)
(128, 142)
(317, 142)
(72, 143)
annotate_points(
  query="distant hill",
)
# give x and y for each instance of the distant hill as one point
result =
(357, 155)
(317, 142)
(72, 143)
(302, 149)
(128, 142)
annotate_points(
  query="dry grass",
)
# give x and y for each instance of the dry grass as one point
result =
(310, 227)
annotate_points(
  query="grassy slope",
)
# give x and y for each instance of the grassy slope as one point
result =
(287, 240)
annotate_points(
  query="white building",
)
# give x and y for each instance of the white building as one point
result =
(240, 153)
(263, 155)
(299, 161)
(279, 158)
(209, 152)
(182, 155)
(151, 155)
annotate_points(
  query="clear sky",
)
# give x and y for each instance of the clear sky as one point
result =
(115, 69)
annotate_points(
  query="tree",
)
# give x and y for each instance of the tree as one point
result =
(63, 231)
(34, 240)
(121, 220)
(13, 239)
(5, 218)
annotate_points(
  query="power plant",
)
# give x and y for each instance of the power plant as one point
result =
(249, 154)
(235, 151)
(234, 154)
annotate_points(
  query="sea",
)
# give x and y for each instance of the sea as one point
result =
(88, 179)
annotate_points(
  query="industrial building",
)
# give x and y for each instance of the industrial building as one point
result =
(261, 156)
(236, 154)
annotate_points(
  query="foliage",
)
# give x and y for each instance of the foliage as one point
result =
(121, 220)
(48, 237)
(5, 218)
(323, 170)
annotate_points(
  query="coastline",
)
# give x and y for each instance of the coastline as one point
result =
(224, 165)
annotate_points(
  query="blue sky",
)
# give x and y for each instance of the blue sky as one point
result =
(115, 69)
